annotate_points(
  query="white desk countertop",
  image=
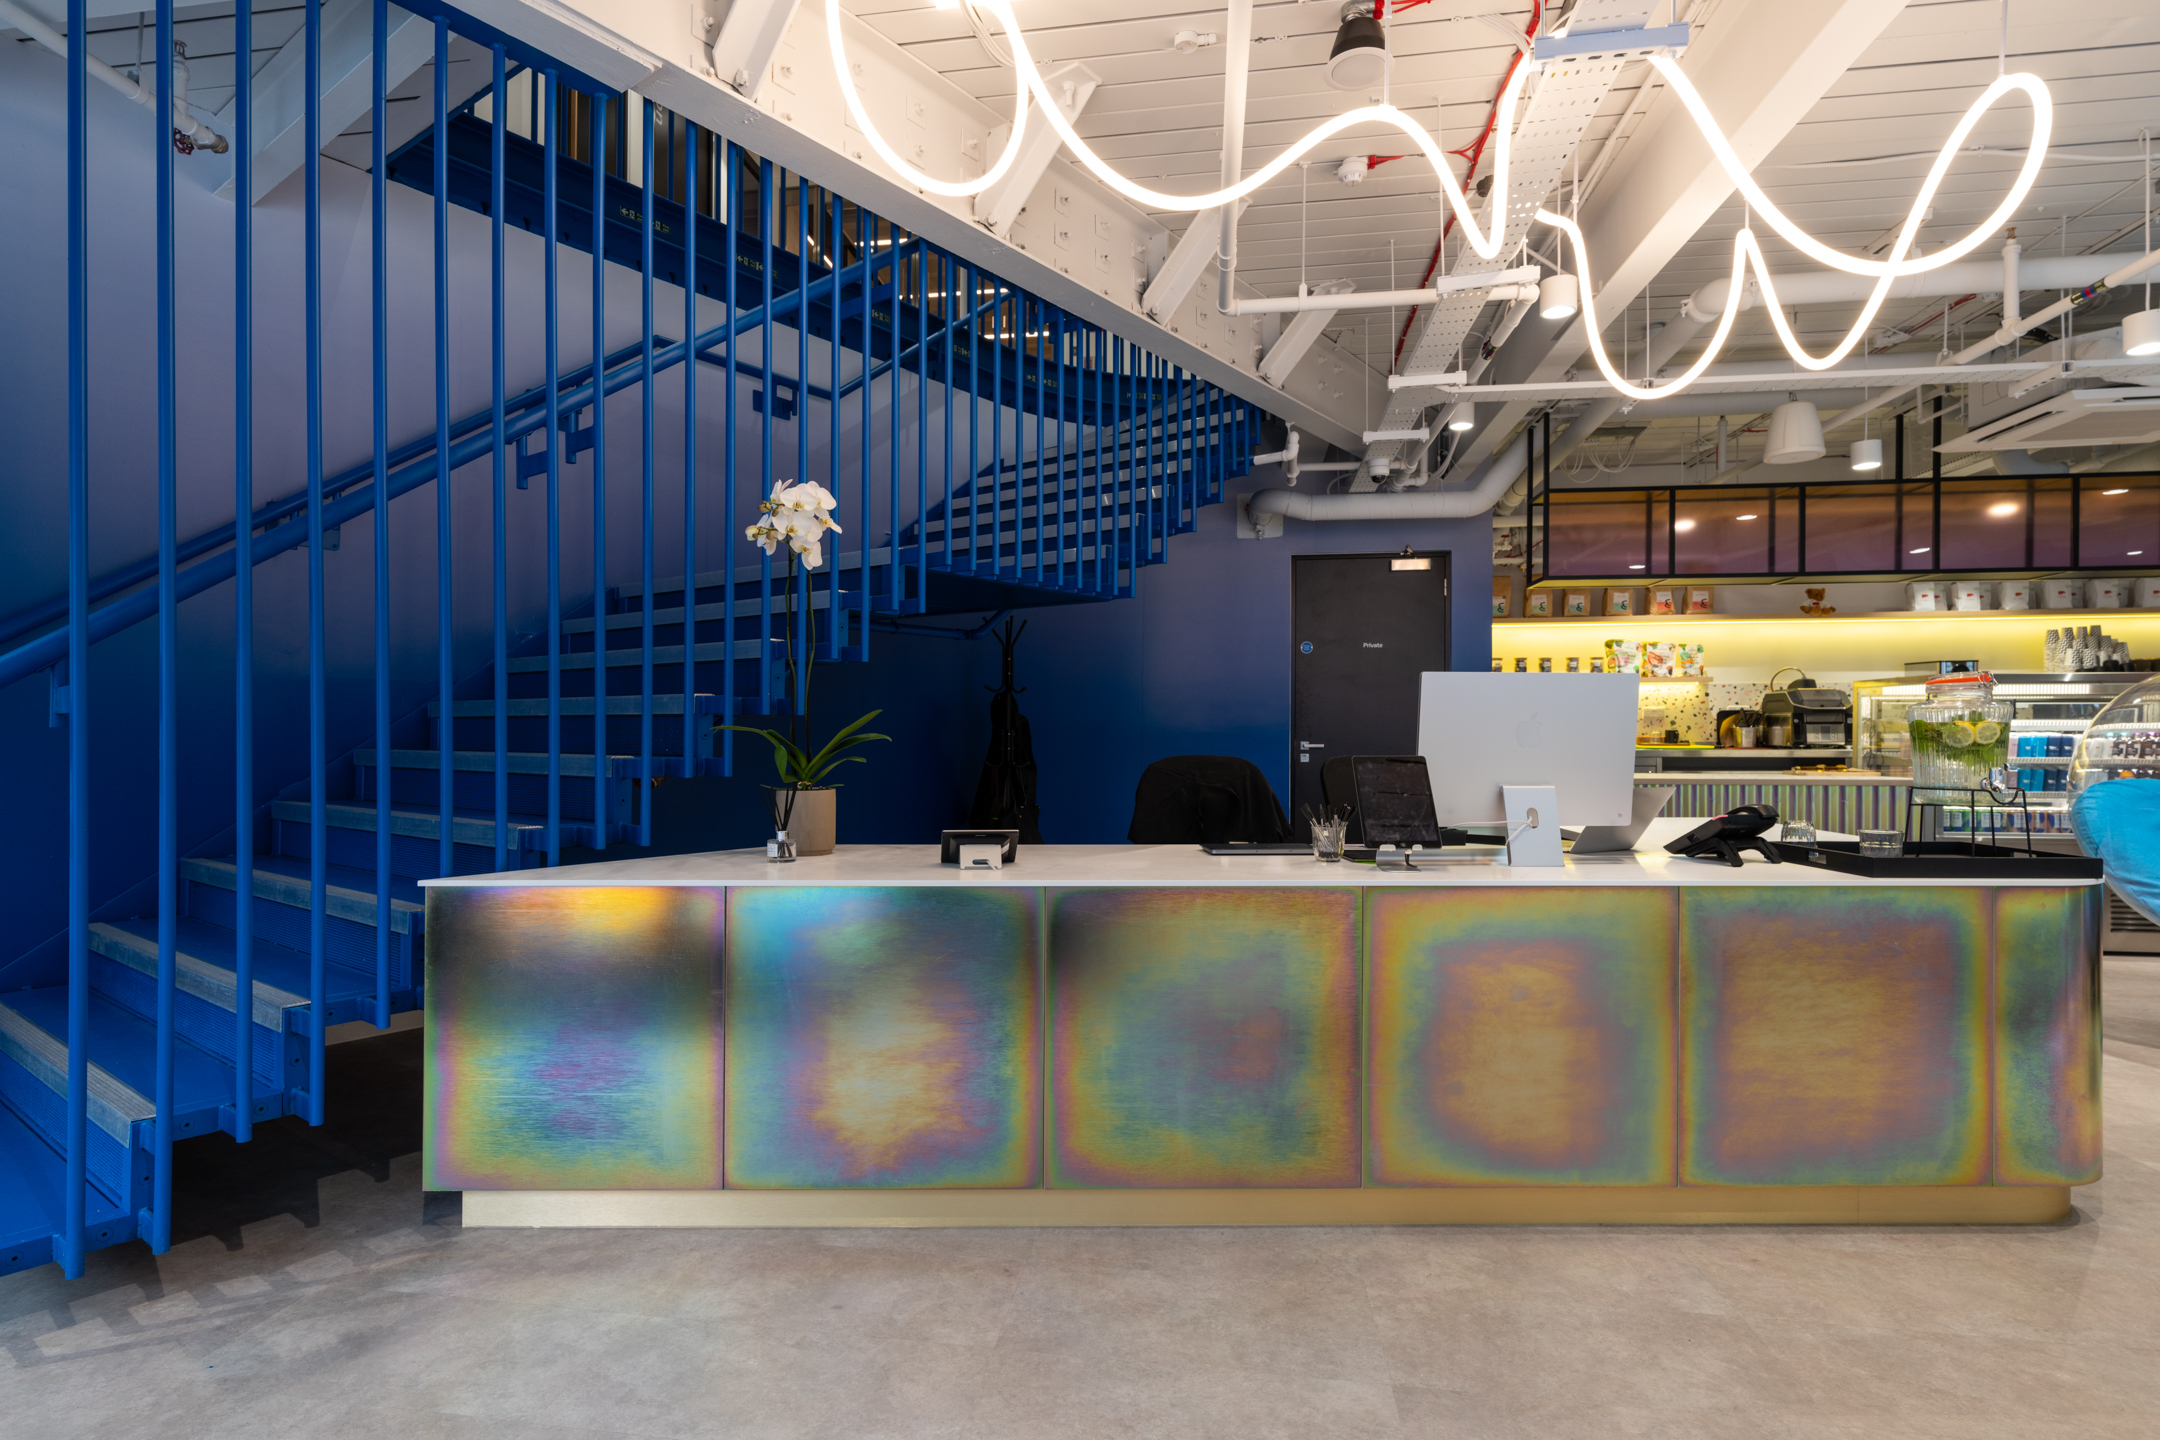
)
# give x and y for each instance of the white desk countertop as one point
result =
(1180, 866)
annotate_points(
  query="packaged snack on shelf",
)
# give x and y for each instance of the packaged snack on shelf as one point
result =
(1688, 659)
(2107, 594)
(1928, 595)
(2062, 594)
(1658, 659)
(1969, 595)
(1623, 657)
(2148, 593)
(2015, 595)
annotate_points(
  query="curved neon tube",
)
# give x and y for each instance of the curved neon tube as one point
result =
(1746, 249)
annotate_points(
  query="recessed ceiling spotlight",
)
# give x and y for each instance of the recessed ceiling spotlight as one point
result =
(2003, 507)
(1360, 57)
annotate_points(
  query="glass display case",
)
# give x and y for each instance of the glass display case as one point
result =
(2049, 716)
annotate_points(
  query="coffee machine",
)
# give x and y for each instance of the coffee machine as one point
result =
(1808, 717)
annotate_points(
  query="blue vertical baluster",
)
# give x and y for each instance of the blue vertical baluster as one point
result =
(1058, 349)
(802, 429)
(499, 117)
(598, 146)
(842, 617)
(645, 393)
(379, 276)
(318, 661)
(689, 463)
(897, 569)
(998, 331)
(550, 96)
(445, 658)
(243, 142)
(805, 610)
(168, 799)
(974, 390)
(70, 1241)
(921, 270)
(767, 217)
(865, 234)
(727, 188)
(1046, 439)
(948, 297)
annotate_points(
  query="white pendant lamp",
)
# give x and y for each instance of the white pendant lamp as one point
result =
(1867, 455)
(1558, 296)
(1795, 434)
(1360, 57)
(1462, 415)
(2141, 333)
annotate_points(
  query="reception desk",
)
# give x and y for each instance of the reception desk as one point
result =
(1148, 1035)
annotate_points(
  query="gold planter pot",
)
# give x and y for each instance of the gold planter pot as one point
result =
(810, 824)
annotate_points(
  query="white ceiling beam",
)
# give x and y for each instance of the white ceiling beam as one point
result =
(280, 110)
(1001, 204)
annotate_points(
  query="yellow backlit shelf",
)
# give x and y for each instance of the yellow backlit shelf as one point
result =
(2047, 617)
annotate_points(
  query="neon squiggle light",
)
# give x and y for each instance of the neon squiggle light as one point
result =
(1747, 251)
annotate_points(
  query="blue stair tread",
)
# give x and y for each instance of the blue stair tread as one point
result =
(287, 969)
(348, 877)
(125, 1046)
(32, 1180)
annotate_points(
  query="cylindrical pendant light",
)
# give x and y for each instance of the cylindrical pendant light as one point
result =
(1558, 296)
(1867, 455)
(1795, 434)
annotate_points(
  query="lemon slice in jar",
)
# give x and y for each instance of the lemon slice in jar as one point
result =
(1958, 734)
(1987, 732)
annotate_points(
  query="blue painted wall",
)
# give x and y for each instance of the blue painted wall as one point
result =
(1198, 662)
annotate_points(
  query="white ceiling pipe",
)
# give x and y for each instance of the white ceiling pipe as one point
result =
(143, 95)
(1237, 60)
(1181, 271)
(1401, 504)
(1509, 281)
(2122, 275)
(1972, 277)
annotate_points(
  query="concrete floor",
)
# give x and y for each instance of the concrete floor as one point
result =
(321, 1292)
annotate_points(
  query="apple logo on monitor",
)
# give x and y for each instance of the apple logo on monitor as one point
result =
(1529, 735)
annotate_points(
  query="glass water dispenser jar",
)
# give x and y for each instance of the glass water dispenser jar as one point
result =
(1960, 734)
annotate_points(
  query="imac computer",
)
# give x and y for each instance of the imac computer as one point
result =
(1480, 730)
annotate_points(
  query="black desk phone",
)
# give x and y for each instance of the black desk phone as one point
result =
(1725, 836)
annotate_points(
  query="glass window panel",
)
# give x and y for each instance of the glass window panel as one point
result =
(2118, 528)
(1915, 547)
(1984, 524)
(2051, 520)
(1785, 527)
(1597, 534)
(1851, 529)
(1722, 532)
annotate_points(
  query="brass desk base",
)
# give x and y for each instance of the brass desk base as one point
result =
(1582, 1205)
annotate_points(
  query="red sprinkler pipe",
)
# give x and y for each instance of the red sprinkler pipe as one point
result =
(1476, 152)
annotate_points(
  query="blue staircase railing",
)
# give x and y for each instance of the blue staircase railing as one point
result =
(1080, 454)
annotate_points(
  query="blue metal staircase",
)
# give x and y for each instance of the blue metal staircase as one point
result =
(1112, 451)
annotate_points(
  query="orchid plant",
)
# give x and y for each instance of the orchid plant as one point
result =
(797, 518)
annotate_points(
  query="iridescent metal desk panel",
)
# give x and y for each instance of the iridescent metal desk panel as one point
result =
(1699, 1039)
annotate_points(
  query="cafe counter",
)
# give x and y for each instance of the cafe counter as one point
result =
(1149, 1035)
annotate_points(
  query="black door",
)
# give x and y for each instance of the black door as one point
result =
(1363, 628)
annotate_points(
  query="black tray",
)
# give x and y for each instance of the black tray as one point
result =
(1943, 860)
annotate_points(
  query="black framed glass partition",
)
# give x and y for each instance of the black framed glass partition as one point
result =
(1888, 528)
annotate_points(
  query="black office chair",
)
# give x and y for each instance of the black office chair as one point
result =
(1206, 800)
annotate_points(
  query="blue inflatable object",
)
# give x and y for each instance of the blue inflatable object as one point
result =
(2119, 821)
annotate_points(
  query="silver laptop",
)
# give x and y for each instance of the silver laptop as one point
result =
(1607, 839)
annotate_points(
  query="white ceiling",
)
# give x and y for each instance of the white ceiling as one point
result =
(1158, 116)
